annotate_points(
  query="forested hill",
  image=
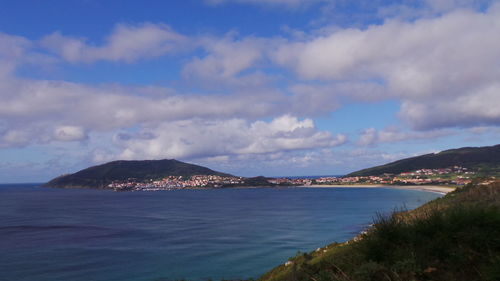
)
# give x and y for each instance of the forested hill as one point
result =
(485, 159)
(102, 175)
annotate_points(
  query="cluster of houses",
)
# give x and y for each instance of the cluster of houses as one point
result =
(433, 172)
(178, 182)
(453, 175)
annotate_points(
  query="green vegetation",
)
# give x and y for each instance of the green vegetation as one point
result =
(257, 181)
(102, 175)
(484, 160)
(456, 237)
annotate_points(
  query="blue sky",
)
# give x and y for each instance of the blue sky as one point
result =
(249, 87)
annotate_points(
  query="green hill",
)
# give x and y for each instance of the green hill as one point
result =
(456, 237)
(482, 159)
(102, 175)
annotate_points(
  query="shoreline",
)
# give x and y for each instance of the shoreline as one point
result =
(429, 188)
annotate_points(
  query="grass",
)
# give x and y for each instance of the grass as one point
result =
(456, 237)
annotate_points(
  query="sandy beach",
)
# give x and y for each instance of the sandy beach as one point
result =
(430, 188)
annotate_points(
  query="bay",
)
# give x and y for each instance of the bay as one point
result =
(81, 234)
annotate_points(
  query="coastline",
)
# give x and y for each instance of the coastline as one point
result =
(429, 188)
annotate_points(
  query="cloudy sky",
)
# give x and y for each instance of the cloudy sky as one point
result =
(249, 87)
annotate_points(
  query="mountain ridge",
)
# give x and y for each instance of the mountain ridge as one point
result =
(100, 176)
(479, 158)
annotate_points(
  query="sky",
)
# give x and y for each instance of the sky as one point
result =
(248, 87)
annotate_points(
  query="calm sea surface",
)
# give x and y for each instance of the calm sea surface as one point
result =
(91, 235)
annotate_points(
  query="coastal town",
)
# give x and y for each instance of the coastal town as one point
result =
(446, 176)
(454, 176)
(178, 182)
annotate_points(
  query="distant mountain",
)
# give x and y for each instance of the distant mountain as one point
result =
(102, 175)
(483, 159)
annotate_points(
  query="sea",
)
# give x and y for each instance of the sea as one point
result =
(97, 235)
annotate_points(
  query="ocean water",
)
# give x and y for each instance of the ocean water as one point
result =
(92, 235)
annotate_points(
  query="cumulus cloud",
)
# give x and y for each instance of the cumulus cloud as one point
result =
(172, 124)
(198, 138)
(472, 108)
(126, 43)
(46, 111)
(434, 65)
(45, 108)
(399, 51)
(104, 108)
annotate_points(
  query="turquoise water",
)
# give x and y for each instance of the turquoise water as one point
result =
(60, 234)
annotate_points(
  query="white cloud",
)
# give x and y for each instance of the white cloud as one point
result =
(230, 62)
(127, 43)
(42, 112)
(473, 108)
(444, 69)
(399, 52)
(47, 111)
(198, 138)
(105, 108)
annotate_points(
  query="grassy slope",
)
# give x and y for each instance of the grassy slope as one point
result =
(456, 237)
(486, 160)
(100, 176)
